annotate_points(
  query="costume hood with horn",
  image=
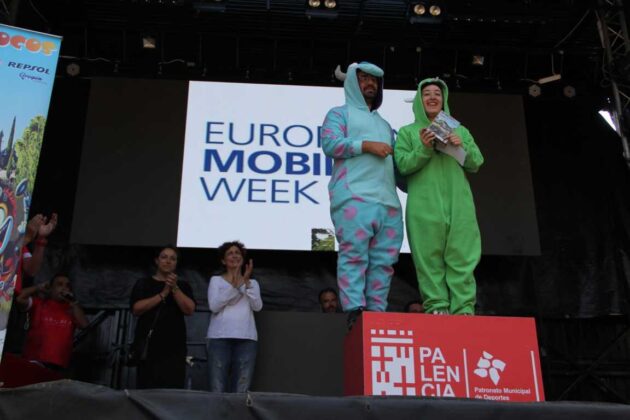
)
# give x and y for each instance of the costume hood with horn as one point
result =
(364, 204)
(440, 214)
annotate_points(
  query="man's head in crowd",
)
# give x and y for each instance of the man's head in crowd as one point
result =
(415, 306)
(328, 300)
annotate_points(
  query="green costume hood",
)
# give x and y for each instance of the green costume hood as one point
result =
(354, 97)
(418, 106)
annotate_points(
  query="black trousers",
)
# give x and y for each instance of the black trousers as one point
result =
(165, 371)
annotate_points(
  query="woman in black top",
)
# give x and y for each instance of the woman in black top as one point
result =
(165, 296)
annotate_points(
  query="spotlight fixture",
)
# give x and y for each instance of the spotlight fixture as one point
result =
(607, 116)
(326, 9)
(425, 12)
(419, 9)
(569, 91)
(535, 91)
(73, 69)
(149, 42)
(478, 60)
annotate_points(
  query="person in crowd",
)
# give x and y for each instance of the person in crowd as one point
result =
(364, 205)
(440, 215)
(53, 315)
(232, 339)
(414, 307)
(38, 228)
(37, 231)
(160, 302)
(328, 300)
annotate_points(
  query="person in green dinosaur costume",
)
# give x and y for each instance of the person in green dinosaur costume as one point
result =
(441, 222)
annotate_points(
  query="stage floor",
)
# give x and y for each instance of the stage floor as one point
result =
(77, 400)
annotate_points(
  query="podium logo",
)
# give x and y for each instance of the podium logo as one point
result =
(489, 366)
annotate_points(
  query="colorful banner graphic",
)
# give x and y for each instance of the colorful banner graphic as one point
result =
(28, 61)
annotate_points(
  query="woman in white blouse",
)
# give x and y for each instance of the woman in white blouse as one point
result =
(232, 338)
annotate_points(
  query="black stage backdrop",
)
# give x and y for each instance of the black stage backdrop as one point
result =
(581, 192)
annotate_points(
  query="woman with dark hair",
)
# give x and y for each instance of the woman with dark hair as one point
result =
(440, 216)
(232, 338)
(160, 302)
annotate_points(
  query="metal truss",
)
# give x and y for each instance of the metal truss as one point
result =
(613, 33)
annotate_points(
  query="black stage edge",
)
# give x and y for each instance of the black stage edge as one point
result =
(78, 400)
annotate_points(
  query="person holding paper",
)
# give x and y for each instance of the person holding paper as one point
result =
(364, 205)
(440, 215)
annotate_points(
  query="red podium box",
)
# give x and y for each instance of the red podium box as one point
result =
(482, 357)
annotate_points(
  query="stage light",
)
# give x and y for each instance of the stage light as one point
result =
(73, 69)
(318, 9)
(419, 9)
(607, 116)
(478, 60)
(535, 91)
(435, 10)
(149, 42)
(569, 91)
(419, 13)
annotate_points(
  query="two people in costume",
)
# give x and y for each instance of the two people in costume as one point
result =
(365, 210)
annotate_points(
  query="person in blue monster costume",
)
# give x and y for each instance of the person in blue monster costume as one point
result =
(364, 206)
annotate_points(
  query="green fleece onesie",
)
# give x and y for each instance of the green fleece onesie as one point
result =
(440, 214)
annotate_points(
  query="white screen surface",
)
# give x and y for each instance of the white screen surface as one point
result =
(253, 166)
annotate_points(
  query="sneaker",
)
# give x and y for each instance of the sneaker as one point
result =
(440, 312)
(353, 316)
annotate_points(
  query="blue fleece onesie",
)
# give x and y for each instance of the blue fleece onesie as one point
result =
(364, 206)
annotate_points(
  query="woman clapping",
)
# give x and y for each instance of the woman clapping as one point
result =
(232, 338)
(160, 302)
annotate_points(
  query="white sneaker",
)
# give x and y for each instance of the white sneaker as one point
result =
(440, 312)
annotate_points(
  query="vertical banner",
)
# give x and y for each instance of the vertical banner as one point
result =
(28, 61)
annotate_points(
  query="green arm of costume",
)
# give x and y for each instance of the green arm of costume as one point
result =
(409, 153)
(474, 158)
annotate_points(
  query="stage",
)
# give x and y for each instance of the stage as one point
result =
(78, 400)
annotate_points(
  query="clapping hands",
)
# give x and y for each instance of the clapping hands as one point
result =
(40, 226)
(237, 279)
(171, 280)
(47, 226)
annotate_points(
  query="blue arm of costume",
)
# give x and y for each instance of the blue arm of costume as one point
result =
(335, 142)
(474, 158)
(409, 153)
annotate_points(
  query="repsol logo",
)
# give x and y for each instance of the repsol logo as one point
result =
(25, 76)
(34, 45)
(24, 66)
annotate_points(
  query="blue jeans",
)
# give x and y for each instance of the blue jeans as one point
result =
(231, 363)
